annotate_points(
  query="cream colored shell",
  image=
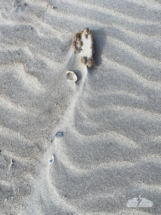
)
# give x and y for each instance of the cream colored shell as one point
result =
(71, 76)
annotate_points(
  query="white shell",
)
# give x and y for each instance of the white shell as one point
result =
(71, 76)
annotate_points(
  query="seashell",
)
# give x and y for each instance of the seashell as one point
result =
(71, 76)
(86, 30)
(90, 62)
(83, 60)
(80, 43)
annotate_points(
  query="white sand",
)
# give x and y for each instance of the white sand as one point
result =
(108, 149)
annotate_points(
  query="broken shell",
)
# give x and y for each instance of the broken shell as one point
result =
(78, 36)
(90, 62)
(87, 30)
(80, 43)
(83, 60)
(71, 76)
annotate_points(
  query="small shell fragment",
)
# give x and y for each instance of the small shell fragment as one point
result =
(90, 62)
(78, 35)
(83, 60)
(80, 43)
(71, 76)
(86, 30)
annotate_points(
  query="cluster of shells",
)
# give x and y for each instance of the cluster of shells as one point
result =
(78, 43)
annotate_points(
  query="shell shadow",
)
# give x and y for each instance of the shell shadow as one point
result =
(99, 40)
(79, 75)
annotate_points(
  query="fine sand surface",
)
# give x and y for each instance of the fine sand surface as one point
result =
(108, 149)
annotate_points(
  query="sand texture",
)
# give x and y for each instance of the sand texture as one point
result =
(90, 145)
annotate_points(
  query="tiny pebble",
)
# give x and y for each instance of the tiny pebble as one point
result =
(51, 161)
(59, 134)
